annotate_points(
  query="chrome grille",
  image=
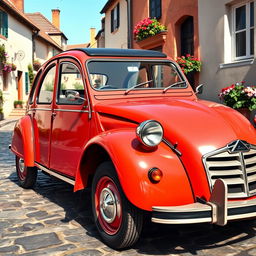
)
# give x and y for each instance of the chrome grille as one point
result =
(237, 169)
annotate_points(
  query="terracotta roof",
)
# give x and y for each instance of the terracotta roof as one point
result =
(75, 46)
(44, 24)
(11, 8)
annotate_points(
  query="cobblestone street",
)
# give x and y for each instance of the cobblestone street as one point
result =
(52, 220)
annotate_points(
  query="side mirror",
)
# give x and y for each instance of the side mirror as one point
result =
(73, 95)
(199, 89)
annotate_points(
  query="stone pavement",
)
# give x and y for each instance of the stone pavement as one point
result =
(52, 220)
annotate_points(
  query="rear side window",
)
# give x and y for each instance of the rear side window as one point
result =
(46, 91)
(70, 80)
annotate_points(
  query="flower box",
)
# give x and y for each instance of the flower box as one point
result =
(153, 41)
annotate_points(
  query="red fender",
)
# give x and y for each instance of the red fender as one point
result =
(23, 141)
(132, 164)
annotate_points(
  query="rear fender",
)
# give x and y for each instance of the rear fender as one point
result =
(23, 141)
(132, 164)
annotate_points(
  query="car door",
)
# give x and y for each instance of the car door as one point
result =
(71, 122)
(42, 114)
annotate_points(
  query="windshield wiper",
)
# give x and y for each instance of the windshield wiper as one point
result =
(172, 85)
(137, 85)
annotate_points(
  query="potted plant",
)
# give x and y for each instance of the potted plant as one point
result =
(3, 54)
(36, 65)
(189, 64)
(18, 104)
(240, 97)
(146, 28)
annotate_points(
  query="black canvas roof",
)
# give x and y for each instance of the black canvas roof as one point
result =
(121, 52)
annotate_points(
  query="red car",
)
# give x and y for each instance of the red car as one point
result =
(127, 124)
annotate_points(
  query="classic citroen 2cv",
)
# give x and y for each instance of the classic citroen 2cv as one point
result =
(127, 124)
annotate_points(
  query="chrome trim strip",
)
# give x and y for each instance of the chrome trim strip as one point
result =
(59, 176)
(71, 110)
(183, 221)
(46, 109)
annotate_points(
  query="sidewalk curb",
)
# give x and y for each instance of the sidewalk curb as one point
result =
(6, 122)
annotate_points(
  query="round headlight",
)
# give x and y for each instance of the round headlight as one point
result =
(150, 133)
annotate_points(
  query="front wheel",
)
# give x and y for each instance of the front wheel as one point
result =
(118, 221)
(26, 175)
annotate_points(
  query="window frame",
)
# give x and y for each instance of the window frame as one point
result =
(53, 65)
(247, 30)
(153, 12)
(115, 21)
(59, 84)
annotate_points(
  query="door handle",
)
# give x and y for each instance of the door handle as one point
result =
(54, 115)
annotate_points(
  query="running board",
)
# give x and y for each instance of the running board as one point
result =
(57, 175)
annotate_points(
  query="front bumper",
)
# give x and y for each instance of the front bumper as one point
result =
(218, 210)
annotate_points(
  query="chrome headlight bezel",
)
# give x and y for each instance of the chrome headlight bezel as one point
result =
(150, 133)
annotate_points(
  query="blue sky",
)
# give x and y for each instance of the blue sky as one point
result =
(76, 16)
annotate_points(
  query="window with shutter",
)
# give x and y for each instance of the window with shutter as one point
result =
(4, 24)
(115, 17)
(155, 9)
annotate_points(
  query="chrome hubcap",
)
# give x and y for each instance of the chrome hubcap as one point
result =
(108, 205)
(21, 165)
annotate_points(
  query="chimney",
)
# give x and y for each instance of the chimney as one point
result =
(92, 38)
(56, 18)
(19, 4)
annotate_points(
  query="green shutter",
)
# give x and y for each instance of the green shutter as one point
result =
(5, 25)
(26, 83)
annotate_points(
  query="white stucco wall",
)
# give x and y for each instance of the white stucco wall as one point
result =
(19, 41)
(118, 38)
(219, 69)
(44, 51)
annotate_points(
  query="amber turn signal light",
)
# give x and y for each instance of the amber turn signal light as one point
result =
(155, 175)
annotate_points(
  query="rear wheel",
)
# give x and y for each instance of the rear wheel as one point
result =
(118, 221)
(26, 175)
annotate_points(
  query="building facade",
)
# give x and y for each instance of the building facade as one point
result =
(180, 18)
(26, 38)
(16, 35)
(227, 43)
(115, 24)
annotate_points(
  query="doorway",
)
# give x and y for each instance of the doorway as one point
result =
(20, 85)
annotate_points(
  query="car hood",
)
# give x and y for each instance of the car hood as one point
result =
(197, 122)
(196, 126)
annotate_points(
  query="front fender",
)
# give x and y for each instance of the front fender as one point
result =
(132, 164)
(23, 141)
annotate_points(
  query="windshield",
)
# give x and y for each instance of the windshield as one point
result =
(133, 75)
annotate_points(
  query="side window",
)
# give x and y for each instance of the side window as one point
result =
(70, 79)
(34, 85)
(47, 86)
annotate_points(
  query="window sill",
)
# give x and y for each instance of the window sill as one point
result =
(238, 63)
